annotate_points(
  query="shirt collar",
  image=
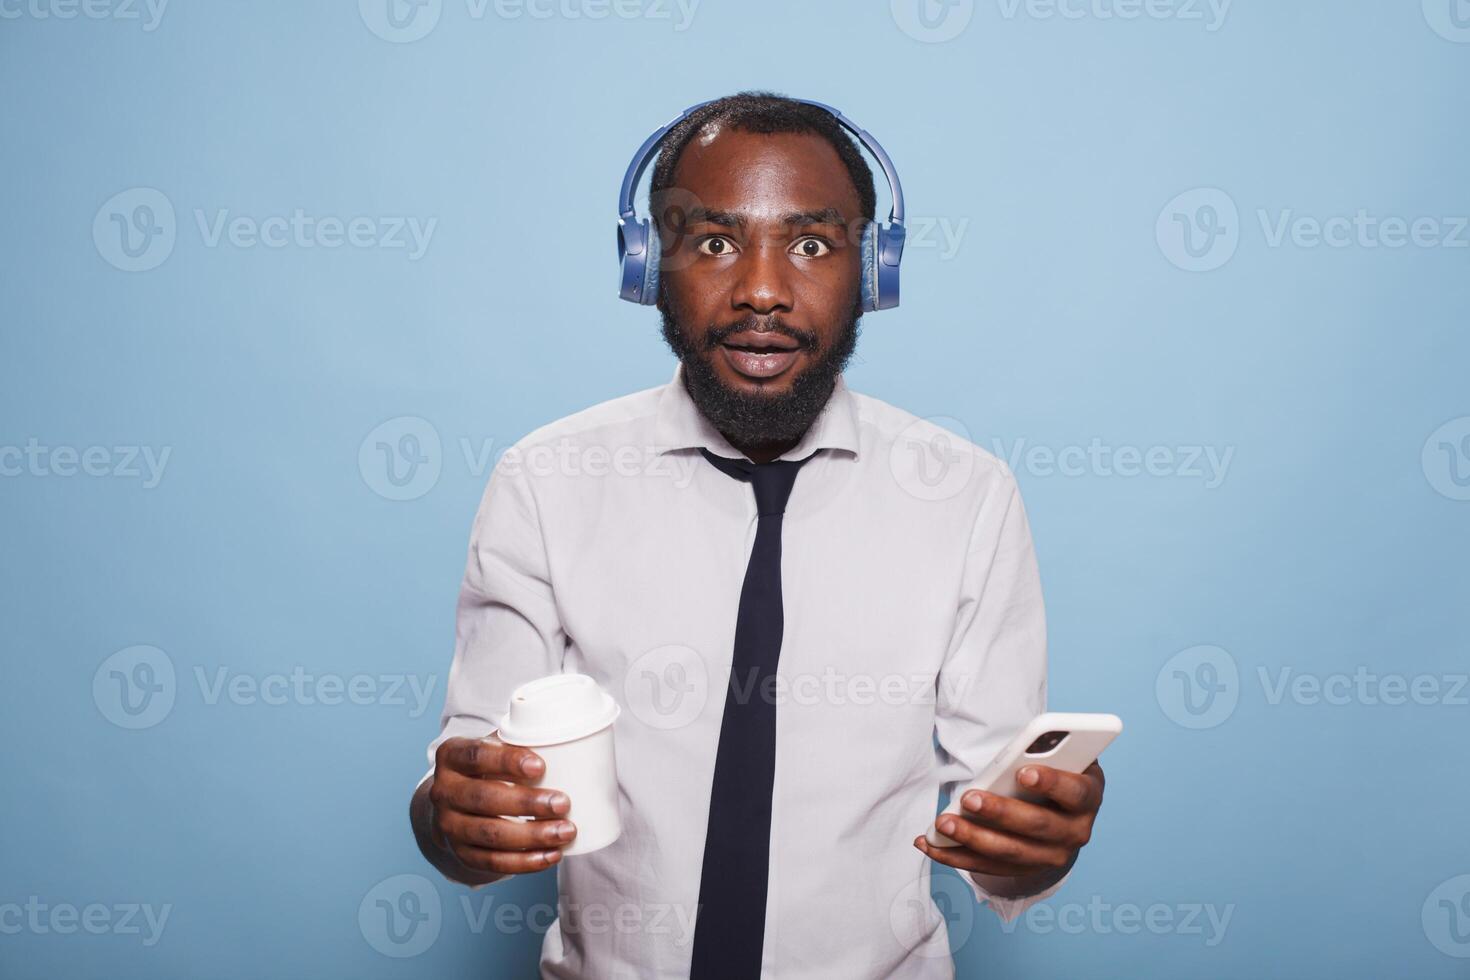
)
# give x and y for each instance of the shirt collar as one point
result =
(681, 425)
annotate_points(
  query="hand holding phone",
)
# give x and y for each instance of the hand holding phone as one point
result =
(1066, 741)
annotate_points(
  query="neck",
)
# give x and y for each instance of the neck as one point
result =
(762, 452)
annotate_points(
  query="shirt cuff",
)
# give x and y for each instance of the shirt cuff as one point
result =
(1008, 908)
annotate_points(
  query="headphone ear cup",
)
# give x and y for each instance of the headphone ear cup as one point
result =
(870, 267)
(652, 256)
(633, 259)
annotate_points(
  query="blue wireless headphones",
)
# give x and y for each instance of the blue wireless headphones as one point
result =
(639, 248)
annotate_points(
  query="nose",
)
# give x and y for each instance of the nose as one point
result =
(762, 285)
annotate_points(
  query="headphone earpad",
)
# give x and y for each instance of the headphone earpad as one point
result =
(652, 254)
(870, 266)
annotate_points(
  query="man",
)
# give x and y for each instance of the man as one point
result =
(773, 809)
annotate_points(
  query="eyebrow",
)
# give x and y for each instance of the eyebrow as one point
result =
(729, 219)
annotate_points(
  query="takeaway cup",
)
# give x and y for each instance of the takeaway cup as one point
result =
(568, 721)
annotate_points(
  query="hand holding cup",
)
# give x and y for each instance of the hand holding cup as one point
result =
(483, 793)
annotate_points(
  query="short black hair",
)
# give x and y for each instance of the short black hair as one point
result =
(766, 112)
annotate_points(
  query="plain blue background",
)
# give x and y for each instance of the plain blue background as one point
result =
(1335, 542)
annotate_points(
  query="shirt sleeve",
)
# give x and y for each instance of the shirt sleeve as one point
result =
(507, 627)
(993, 679)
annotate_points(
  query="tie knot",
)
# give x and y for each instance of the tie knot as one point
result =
(772, 481)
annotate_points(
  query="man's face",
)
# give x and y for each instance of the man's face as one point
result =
(759, 288)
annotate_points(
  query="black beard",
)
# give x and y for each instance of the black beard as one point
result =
(753, 420)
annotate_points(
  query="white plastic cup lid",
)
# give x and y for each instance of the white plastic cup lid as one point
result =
(558, 708)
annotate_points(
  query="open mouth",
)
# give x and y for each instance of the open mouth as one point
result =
(760, 356)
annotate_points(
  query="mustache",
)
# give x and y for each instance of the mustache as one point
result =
(761, 324)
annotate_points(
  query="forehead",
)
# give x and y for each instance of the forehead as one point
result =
(730, 169)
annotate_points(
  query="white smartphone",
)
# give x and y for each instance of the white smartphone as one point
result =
(1069, 741)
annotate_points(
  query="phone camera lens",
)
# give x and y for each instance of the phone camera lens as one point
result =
(1046, 742)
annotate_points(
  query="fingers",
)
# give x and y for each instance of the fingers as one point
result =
(499, 834)
(1030, 820)
(999, 846)
(1073, 792)
(494, 798)
(489, 757)
(480, 783)
(967, 860)
(504, 862)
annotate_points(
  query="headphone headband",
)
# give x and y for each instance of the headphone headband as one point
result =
(645, 153)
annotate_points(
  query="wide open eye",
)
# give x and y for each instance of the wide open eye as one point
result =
(716, 245)
(811, 248)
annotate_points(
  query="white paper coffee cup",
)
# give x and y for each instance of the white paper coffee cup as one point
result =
(568, 721)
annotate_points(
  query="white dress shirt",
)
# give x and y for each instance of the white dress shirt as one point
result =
(914, 648)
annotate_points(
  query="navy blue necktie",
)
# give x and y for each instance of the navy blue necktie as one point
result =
(731, 923)
(730, 927)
